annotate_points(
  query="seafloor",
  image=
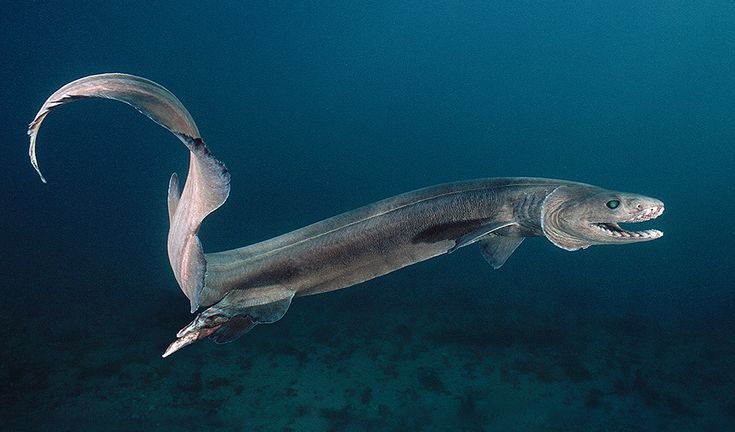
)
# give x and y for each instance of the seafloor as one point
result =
(431, 356)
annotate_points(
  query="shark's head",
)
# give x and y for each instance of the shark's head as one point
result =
(577, 216)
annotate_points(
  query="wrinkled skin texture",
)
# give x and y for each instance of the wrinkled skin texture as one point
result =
(579, 217)
(255, 284)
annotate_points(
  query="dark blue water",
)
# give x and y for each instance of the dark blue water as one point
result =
(318, 108)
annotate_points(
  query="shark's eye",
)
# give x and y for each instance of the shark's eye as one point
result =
(613, 204)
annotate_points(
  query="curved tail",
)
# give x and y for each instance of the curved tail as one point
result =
(207, 185)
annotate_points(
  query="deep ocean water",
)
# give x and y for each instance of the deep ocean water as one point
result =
(321, 107)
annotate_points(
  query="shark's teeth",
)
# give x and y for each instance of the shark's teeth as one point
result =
(621, 233)
(647, 214)
(652, 233)
(612, 229)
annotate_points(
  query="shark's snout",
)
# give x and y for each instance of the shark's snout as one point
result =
(646, 212)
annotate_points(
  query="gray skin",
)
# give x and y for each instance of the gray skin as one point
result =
(240, 288)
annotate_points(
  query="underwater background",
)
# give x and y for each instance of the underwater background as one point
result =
(321, 107)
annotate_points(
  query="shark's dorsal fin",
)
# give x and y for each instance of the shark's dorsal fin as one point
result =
(478, 233)
(496, 248)
(174, 194)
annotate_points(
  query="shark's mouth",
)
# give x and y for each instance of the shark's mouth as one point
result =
(614, 230)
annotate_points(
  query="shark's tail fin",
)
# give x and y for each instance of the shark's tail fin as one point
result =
(208, 182)
(236, 314)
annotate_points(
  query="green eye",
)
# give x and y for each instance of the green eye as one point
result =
(613, 204)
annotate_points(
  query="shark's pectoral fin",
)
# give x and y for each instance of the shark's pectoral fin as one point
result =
(478, 233)
(236, 314)
(496, 248)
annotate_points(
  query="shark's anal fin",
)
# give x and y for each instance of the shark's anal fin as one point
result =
(233, 329)
(496, 248)
(233, 316)
(250, 312)
(479, 233)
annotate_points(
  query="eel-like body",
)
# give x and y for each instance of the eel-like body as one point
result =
(240, 288)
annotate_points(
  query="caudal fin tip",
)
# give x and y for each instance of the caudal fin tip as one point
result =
(175, 346)
(168, 352)
(38, 171)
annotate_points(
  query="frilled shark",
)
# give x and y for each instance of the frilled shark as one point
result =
(236, 289)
